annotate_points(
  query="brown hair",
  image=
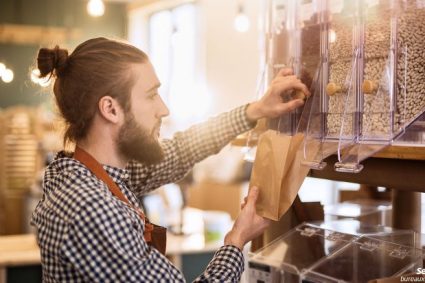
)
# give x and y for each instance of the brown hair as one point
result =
(96, 68)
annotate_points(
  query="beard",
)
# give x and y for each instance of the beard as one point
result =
(136, 143)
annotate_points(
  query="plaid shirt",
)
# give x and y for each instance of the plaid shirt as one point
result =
(87, 235)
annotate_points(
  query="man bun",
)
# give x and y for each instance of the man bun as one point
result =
(52, 61)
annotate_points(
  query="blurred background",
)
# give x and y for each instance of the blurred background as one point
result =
(208, 56)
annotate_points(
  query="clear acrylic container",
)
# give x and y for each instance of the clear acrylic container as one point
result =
(365, 259)
(328, 120)
(284, 259)
(369, 86)
(293, 42)
(336, 251)
(391, 96)
(355, 227)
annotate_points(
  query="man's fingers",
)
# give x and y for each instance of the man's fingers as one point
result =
(285, 72)
(252, 196)
(278, 80)
(289, 106)
(292, 84)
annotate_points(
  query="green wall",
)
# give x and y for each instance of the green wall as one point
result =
(60, 13)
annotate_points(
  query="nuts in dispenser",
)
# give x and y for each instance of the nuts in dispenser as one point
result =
(411, 61)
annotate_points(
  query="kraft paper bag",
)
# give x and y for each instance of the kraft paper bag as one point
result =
(294, 174)
(278, 172)
(268, 171)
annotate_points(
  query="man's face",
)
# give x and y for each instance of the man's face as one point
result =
(138, 136)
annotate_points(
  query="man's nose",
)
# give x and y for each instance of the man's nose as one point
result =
(163, 109)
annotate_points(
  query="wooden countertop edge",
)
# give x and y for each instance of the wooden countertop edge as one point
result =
(394, 152)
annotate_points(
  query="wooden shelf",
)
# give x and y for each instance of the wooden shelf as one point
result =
(402, 152)
(393, 152)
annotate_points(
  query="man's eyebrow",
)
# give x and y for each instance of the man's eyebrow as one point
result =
(154, 87)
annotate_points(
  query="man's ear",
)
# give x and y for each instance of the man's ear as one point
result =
(109, 109)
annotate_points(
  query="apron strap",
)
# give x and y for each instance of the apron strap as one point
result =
(97, 169)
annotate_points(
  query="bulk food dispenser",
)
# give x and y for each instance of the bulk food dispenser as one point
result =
(364, 63)
(292, 33)
(370, 91)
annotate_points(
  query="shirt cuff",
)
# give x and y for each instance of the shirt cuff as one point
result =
(243, 120)
(233, 257)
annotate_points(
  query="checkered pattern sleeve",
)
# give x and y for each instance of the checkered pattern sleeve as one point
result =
(188, 147)
(226, 266)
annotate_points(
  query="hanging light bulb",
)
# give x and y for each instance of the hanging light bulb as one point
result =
(35, 78)
(96, 8)
(2, 69)
(7, 76)
(241, 22)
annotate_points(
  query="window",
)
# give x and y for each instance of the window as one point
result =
(174, 52)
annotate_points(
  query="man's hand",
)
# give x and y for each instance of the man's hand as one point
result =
(271, 105)
(248, 225)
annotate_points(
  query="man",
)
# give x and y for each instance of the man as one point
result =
(107, 92)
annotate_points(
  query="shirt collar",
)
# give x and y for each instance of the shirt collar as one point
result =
(65, 161)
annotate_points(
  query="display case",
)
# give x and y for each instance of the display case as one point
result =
(286, 258)
(322, 253)
(365, 259)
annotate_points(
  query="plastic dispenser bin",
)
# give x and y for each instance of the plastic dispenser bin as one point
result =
(284, 259)
(369, 88)
(293, 40)
(363, 260)
(390, 75)
(328, 119)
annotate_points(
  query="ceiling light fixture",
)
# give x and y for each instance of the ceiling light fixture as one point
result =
(241, 22)
(7, 76)
(96, 8)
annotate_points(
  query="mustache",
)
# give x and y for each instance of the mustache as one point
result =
(157, 126)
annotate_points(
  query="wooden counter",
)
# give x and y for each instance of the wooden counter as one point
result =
(19, 250)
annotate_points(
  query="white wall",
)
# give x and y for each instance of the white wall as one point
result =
(232, 58)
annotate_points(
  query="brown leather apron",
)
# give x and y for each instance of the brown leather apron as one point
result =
(154, 235)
